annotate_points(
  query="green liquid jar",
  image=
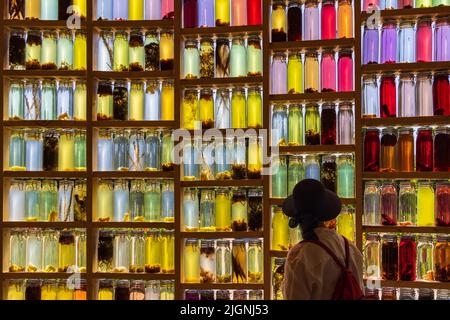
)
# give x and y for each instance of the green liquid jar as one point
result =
(167, 161)
(437, 3)
(254, 108)
(49, 51)
(65, 50)
(191, 60)
(279, 178)
(345, 176)
(238, 58)
(79, 101)
(296, 172)
(254, 56)
(80, 151)
(49, 201)
(136, 51)
(33, 50)
(136, 101)
(152, 201)
(238, 109)
(121, 51)
(295, 125)
(16, 100)
(295, 73)
(312, 125)
(423, 3)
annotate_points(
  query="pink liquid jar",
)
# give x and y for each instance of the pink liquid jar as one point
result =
(424, 36)
(328, 20)
(328, 71)
(345, 70)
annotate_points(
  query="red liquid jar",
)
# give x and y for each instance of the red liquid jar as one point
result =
(442, 205)
(371, 151)
(190, 13)
(424, 150)
(442, 150)
(345, 71)
(388, 97)
(254, 12)
(328, 124)
(328, 20)
(294, 17)
(389, 204)
(389, 257)
(407, 258)
(441, 95)
(424, 37)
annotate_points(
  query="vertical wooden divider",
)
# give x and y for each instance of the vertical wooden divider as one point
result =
(2, 52)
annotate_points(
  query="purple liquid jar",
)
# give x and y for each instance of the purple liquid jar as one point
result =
(389, 42)
(442, 40)
(371, 46)
(312, 22)
(279, 74)
(206, 13)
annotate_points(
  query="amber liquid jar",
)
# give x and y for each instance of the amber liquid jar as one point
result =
(405, 156)
(442, 258)
(388, 150)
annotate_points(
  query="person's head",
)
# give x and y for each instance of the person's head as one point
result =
(310, 205)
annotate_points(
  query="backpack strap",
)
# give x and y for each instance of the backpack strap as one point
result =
(332, 254)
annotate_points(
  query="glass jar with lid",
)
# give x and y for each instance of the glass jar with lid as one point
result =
(206, 57)
(311, 72)
(137, 200)
(312, 167)
(345, 123)
(151, 50)
(238, 108)
(66, 201)
(345, 222)
(153, 251)
(152, 290)
(441, 260)
(105, 290)
(17, 50)
(137, 252)
(278, 278)
(223, 261)
(79, 101)
(278, 74)
(372, 256)
(136, 150)
(49, 290)
(104, 101)
(425, 204)
(279, 177)
(16, 201)
(279, 22)
(255, 261)
(254, 157)
(425, 258)
(152, 101)
(105, 251)
(207, 261)
(407, 204)
(120, 101)
(389, 203)
(121, 147)
(206, 108)
(280, 230)
(239, 163)
(372, 204)
(136, 51)
(137, 290)
(222, 13)
(152, 157)
(328, 172)
(389, 257)
(167, 201)
(254, 108)
(105, 53)
(296, 172)
(168, 252)
(191, 59)
(121, 51)
(122, 290)
(105, 202)
(238, 58)
(222, 57)
(295, 125)
(407, 258)
(190, 109)
(167, 161)
(312, 124)
(32, 207)
(254, 56)
(152, 201)
(49, 50)
(80, 51)
(51, 250)
(17, 250)
(65, 100)
(16, 103)
(191, 261)
(191, 210)
(33, 50)
(121, 253)
(279, 130)
(34, 150)
(67, 252)
(239, 207)
(207, 214)
(239, 258)
(48, 100)
(166, 50)
(345, 176)
(34, 259)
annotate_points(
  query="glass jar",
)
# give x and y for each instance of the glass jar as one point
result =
(442, 294)
(16, 105)
(223, 210)
(17, 250)
(239, 208)
(311, 16)
(345, 70)
(389, 204)
(167, 101)
(223, 267)
(345, 223)
(371, 107)
(166, 50)
(296, 172)
(280, 230)
(389, 152)
(104, 101)
(105, 151)
(370, 46)
(278, 278)
(191, 158)
(191, 59)
(328, 71)
(17, 151)
(295, 125)
(279, 22)
(372, 204)
(328, 124)
(120, 10)
(406, 46)
(222, 57)
(153, 247)
(17, 50)
(389, 257)
(167, 152)
(66, 151)
(16, 201)
(371, 150)
(136, 109)
(388, 97)
(255, 210)
(345, 19)
(407, 101)
(255, 261)
(207, 216)
(136, 51)
(105, 53)
(120, 101)
(152, 201)
(345, 123)
(104, 10)
(48, 201)
(105, 290)
(79, 101)
(407, 204)
(121, 253)
(238, 57)
(441, 147)
(80, 8)
(80, 51)
(279, 125)
(33, 50)
(238, 108)
(425, 204)
(121, 51)
(442, 206)
(389, 42)
(407, 258)
(254, 157)
(205, 13)
(442, 35)
(168, 200)
(328, 172)
(254, 56)
(168, 252)
(424, 149)
(152, 290)
(137, 201)
(49, 50)
(239, 258)
(137, 290)
(328, 20)
(33, 287)
(65, 50)
(151, 48)
(65, 100)
(279, 177)
(191, 261)
(407, 294)
(441, 258)
(207, 261)
(405, 155)
(48, 100)
(424, 36)
(191, 210)
(80, 151)
(424, 94)
(50, 151)
(222, 107)
(222, 13)
(121, 201)
(312, 125)
(239, 162)
(238, 12)
(425, 258)
(105, 251)
(121, 150)
(49, 290)
(441, 88)
(34, 150)
(206, 58)
(312, 167)
(206, 108)
(190, 14)
(67, 252)
(190, 109)
(294, 73)
(32, 209)
(278, 74)
(152, 101)
(311, 72)
(345, 176)
(122, 290)
(34, 257)
(136, 12)
(137, 251)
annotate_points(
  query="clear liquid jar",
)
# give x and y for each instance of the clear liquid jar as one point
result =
(371, 106)
(34, 258)
(407, 215)
(137, 289)
(32, 100)
(407, 42)
(34, 150)
(168, 200)
(17, 151)
(222, 109)
(424, 40)
(223, 265)
(79, 101)
(16, 201)
(152, 201)
(191, 60)
(254, 56)
(32, 192)
(238, 57)
(372, 256)
(152, 290)
(167, 162)
(372, 204)
(105, 151)
(152, 101)
(191, 210)
(17, 250)
(48, 100)
(65, 101)
(239, 209)
(49, 50)
(136, 51)
(66, 201)
(345, 123)
(65, 50)
(424, 95)
(121, 149)
(120, 200)
(122, 248)
(121, 51)
(105, 51)
(137, 200)
(137, 252)
(279, 125)
(311, 17)
(136, 105)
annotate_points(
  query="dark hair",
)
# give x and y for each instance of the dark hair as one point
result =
(307, 225)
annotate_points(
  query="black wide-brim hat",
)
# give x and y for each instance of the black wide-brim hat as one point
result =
(310, 197)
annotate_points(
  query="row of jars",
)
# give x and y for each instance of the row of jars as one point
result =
(47, 150)
(393, 149)
(336, 172)
(136, 251)
(406, 95)
(47, 99)
(133, 51)
(312, 72)
(407, 203)
(220, 13)
(223, 295)
(46, 250)
(407, 257)
(48, 50)
(135, 290)
(223, 261)
(215, 109)
(313, 20)
(48, 289)
(47, 9)
(208, 59)
(390, 293)
(135, 150)
(297, 125)
(136, 100)
(47, 200)
(407, 41)
(284, 237)
(134, 9)
(369, 5)
(222, 209)
(135, 200)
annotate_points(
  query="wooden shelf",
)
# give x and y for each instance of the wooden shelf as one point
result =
(134, 24)
(278, 254)
(406, 175)
(44, 74)
(43, 224)
(222, 235)
(222, 82)
(412, 284)
(134, 225)
(280, 201)
(405, 121)
(343, 148)
(45, 123)
(411, 13)
(312, 44)
(312, 97)
(221, 286)
(130, 75)
(46, 174)
(39, 24)
(133, 174)
(214, 31)
(223, 183)
(405, 67)
(133, 276)
(406, 229)
(134, 124)
(40, 275)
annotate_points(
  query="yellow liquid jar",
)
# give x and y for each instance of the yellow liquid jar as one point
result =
(168, 252)
(190, 109)
(295, 73)
(425, 204)
(153, 245)
(135, 9)
(280, 230)
(66, 251)
(105, 290)
(121, 51)
(345, 223)
(239, 258)
(137, 101)
(345, 19)
(206, 108)
(80, 8)
(16, 290)
(254, 108)
(254, 158)
(222, 9)
(66, 150)
(166, 50)
(80, 51)
(238, 109)
(79, 101)
(311, 72)
(167, 101)
(32, 9)
(49, 290)
(63, 292)
(191, 261)
(223, 210)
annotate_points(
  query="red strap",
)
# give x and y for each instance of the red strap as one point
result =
(331, 253)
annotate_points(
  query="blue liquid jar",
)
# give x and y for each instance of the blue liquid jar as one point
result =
(105, 151)
(48, 100)
(121, 196)
(136, 151)
(16, 100)
(152, 158)
(34, 151)
(65, 100)
(191, 210)
(168, 201)
(312, 167)
(121, 147)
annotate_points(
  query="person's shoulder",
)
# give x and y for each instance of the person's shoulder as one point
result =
(299, 250)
